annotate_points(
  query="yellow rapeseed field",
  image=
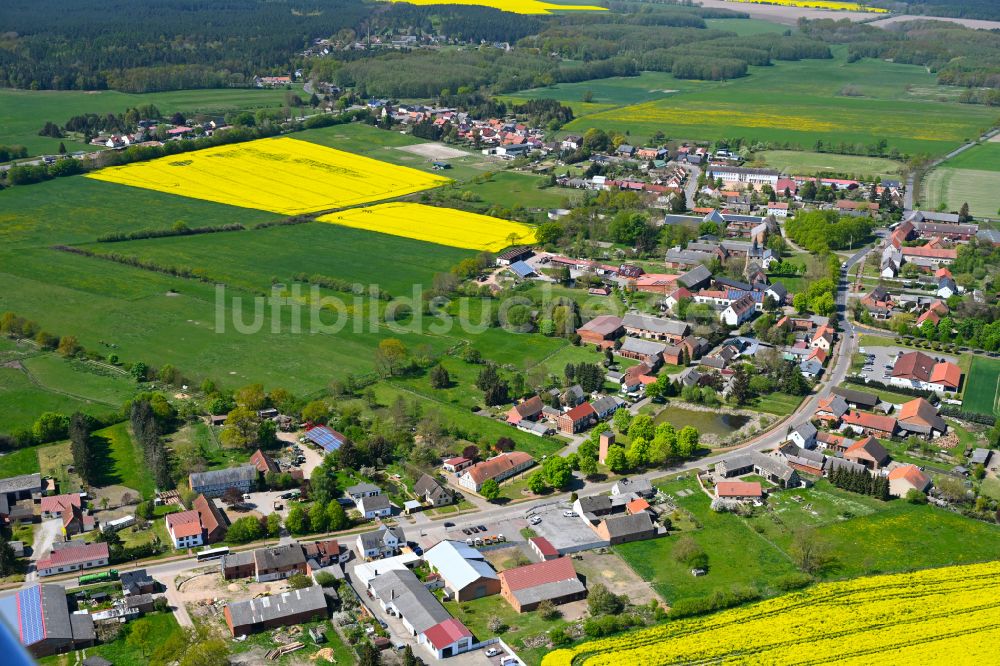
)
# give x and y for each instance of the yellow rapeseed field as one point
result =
(280, 175)
(936, 615)
(513, 6)
(444, 226)
(818, 4)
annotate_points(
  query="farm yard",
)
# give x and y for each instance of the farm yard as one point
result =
(281, 175)
(443, 226)
(844, 621)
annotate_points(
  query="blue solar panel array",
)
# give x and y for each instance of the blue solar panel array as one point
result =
(330, 440)
(29, 612)
(522, 269)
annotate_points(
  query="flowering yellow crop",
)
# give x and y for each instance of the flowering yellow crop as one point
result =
(281, 175)
(922, 617)
(818, 4)
(444, 226)
(513, 6)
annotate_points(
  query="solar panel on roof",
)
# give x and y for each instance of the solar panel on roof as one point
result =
(29, 614)
(324, 437)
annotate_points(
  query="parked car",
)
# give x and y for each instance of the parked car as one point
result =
(449, 524)
(492, 652)
(482, 528)
(535, 520)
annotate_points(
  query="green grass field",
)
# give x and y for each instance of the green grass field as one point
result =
(983, 387)
(809, 164)
(794, 102)
(984, 157)
(509, 188)
(126, 466)
(948, 188)
(22, 461)
(161, 625)
(863, 535)
(24, 112)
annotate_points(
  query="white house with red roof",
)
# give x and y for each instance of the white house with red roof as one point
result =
(184, 529)
(73, 559)
(905, 478)
(447, 638)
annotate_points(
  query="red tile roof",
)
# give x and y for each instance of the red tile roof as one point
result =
(544, 546)
(581, 412)
(59, 503)
(947, 374)
(184, 523)
(458, 460)
(445, 633)
(911, 474)
(208, 513)
(77, 555)
(637, 505)
(930, 252)
(738, 489)
(263, 462)
(871, 421)
(493, 467)
(542, 573)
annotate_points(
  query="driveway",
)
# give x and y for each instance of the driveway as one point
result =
(45, 535)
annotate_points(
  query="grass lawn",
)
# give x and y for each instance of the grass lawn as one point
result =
(126, 466)
(23, 112)
(736, 554)
(476, 615)
(780, 404)
(54, 459)
(86, 380)
(984, 157)
(809, 164)
(991, 487)
(24, 401)
(22, 461)
(982, 394)
(509, 188)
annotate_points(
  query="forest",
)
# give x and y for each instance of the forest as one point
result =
(971, 9)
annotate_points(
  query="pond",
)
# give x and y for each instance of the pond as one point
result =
(715, 423)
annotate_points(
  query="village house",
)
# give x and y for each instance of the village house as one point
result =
(857, 399)
(466, 573)
(739, 490)
(374, 506)
(361, 490)
(624, 528)
(263, 462)
(865, 423)
(215, 483)
(904, 478)
(831, 409)
(649, 352)
(278, 610)
(184, 529)
(498, 468)
(456, 464)
(804, 435)
(430, 492)
(738, 311)
(86, 556)
(383, 542)
(602, 330)
(868, 452)
(278, 562)
(553, 580)
(920, 371)
(774, 470)
(803, 460)
(919, 417)
(579, 418)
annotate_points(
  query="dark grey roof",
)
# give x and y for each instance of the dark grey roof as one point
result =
(135, 578)
(554, 590)
(640, 346)
(604, 404)
(25, 482)
(238, 559)
(839, 463)
(428, 485)
(376, 539)
(414, 602)
(218, 477)
(138, 600)
(695, 276)
(278, 606)
(594, 503)
(363, 488)
(655, 324)
(83, 626)
(635, 523)
(856, 397)
(374, 503)
(278, 557)
(637, 485)
(806, 430)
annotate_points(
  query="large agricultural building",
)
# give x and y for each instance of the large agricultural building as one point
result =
(39, 616)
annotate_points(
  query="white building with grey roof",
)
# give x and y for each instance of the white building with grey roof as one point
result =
(216, 482)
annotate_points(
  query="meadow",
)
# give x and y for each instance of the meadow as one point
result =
(863, 536)
(789, 102)
(280, 175)
(807, 163)
(510, 188)
(982, 157)
(23, 112)
(983, 393)
(443, 226)
(947, 188)
(514, 6)
(849, 621)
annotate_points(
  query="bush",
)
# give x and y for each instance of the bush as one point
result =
(792, 581)
(496, 625)
(325, 579)
(718, 600)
